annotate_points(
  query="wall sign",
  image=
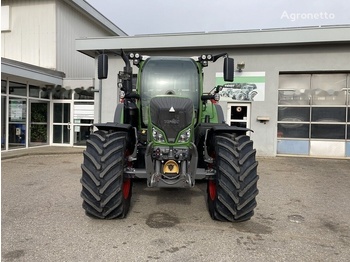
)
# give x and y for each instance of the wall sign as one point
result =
(247, 86)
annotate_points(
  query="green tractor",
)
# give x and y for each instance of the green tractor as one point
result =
(170, 133)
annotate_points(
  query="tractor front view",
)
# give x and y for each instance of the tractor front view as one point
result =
(169, 132)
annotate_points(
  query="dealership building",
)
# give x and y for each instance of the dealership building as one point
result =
(293, 91)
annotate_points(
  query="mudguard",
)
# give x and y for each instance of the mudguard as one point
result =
(224, 128)
(118, 115)
(205, 133)
(209, 129)
(115, 127)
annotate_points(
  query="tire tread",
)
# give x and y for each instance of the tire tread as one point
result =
(236, 178)
(103, 175)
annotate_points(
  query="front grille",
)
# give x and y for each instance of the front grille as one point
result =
(171, 114)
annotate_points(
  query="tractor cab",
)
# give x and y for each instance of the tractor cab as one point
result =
(168, 76)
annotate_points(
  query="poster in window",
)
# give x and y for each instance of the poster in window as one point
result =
(17, 111)
(247, 86)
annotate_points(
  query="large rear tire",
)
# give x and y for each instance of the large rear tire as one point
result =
(231, 195)
(105, 191)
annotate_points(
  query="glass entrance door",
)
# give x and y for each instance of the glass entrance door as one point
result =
(38, 125)
(62, 123)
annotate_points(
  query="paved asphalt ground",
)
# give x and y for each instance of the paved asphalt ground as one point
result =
(303, 214)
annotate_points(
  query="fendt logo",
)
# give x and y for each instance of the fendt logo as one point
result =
(172, 121)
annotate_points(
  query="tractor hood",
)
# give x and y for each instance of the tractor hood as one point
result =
(171, 115)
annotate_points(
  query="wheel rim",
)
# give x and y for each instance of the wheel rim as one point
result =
(212, 189)
(126, 187)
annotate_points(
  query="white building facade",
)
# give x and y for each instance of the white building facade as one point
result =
(47, 86)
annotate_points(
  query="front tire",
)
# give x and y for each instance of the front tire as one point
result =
(105, 191)
(231, 195)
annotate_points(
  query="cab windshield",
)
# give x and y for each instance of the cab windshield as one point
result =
(168, 76)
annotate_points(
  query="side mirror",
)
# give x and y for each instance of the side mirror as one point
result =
(228, 69)
(102, 66)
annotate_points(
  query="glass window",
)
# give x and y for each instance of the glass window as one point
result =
(39, 112)
(239, 112)
(84, 94)
(61, 113)
(169, 76)
(314, 106)
(294, 114)
(45, 93)
(331, 131)
(293, 130)
(17, 123)
(82, 131)
(347, 90)
(17, 135)
(34, 91)
(3, 122)
(17, 89)
(61, 93)
(61, 134)
(38, 133)
(328, 89)
(3, 86)
(17, 110)
(294, 89)
(328, 114)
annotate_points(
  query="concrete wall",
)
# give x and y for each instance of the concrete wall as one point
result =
(271, 60)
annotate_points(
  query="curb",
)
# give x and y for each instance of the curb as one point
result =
(6, 155)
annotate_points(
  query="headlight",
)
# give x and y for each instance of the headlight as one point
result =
(204, 63)
(185, 136)
(157, 135)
